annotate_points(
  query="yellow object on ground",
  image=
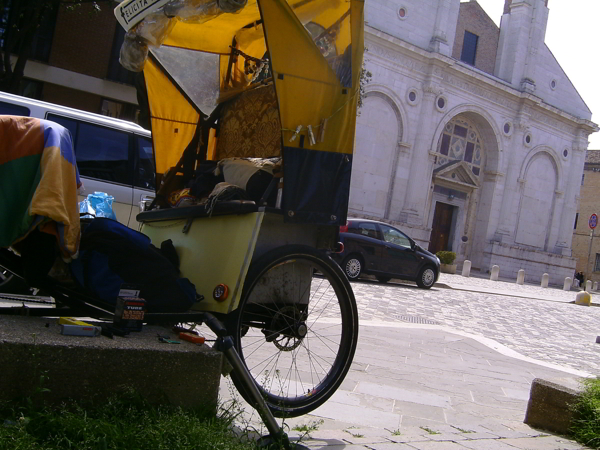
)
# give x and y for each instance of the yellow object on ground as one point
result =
(72, 321)
(583, 298)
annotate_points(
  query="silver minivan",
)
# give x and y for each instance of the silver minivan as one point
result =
(113, 156)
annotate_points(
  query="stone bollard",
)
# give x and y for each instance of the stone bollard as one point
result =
(466, 272)
(568, 283)
(495, 273)
(588, 285)
(595, 288)
(545, 280)
(521, 277)
(583, 298)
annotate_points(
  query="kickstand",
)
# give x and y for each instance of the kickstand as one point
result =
(277, 438)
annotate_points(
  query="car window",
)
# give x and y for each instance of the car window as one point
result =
(367, 229)
(9, 109)
(102, 153)
(69, 124)
(145, 176)
(394, 236)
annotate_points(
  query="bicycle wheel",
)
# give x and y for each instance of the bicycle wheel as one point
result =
(296, 329)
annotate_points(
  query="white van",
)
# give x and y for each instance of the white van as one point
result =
(113, 155)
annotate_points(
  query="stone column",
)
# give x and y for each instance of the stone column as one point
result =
(415, 199)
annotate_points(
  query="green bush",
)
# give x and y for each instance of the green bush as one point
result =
(585, 425)
(446, 257)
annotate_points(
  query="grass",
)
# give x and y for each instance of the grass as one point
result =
(585, 426)
(429, 430)
(121, 423)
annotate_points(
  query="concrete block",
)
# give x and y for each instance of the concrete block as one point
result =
(568, 283)
(549, 403)
(495, 273)
(466, 270)
(91, 369)
(545, 279)
(521, 277)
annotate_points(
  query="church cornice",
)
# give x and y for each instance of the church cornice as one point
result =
(451, 72)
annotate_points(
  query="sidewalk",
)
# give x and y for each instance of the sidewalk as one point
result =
(423, 387)
(478, 283)
(416, 386)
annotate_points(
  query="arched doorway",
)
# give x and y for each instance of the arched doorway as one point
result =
(458, 166)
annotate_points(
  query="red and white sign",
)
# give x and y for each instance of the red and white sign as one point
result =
(593, 221)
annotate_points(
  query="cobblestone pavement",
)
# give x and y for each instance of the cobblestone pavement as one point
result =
(554, 331)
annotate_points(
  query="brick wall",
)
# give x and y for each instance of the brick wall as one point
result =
(474, 19)
(83, 39)
(589, 204)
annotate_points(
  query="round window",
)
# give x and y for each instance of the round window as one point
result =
(402, 13)
(507, 128)
(553, 84)
(565, 152)
(528, 138)
(441, 103)
(412, 96)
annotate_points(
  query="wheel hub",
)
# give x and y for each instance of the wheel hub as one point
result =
(287, 329)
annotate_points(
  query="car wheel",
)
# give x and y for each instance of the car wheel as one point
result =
(352, 267)
(383, 279)
(426, 277)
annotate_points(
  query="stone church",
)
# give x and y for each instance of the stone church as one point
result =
(471, 137)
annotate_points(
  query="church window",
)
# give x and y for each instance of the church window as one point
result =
(597, 265)
(460, 141)
(469, 49)
(445, 144)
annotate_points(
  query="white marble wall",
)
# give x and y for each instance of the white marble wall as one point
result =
(524, 207)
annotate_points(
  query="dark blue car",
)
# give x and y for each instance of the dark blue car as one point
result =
(381, 250)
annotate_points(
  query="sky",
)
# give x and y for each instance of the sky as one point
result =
(573, 36)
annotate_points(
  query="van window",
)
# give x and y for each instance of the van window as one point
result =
(145, 177)
(102, 153)
(9, 109)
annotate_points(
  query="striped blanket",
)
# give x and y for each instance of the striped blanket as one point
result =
(38, 182)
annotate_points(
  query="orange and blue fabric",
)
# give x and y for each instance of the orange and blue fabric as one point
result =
(38, 182)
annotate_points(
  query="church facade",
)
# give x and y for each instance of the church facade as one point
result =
(471, 137)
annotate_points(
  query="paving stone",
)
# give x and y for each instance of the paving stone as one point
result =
(488, 444)
(432, 445)
(543, 443)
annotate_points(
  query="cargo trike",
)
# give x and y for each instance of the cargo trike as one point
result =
(252, 107)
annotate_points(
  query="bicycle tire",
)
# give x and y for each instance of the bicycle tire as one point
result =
(276, 320)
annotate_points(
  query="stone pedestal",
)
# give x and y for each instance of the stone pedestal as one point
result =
(583, 298)
(568, 283)
(545, 279)
(466, 270)
(495, 273)
(521, 277)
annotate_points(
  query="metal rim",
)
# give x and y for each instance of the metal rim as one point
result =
(428, 277)
(353, 268)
